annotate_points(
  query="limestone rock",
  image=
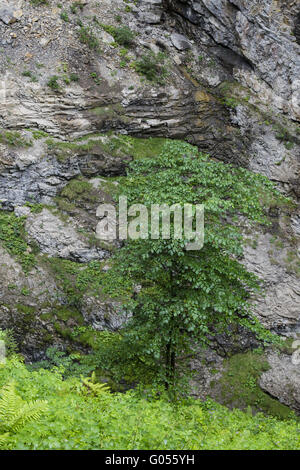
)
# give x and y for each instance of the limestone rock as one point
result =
(180, 42)
(22, 211)
(56, 238)
(282, 381)
(103, 315)
(260, 33)
(9, 15)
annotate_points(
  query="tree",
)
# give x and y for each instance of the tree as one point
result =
(183, 294)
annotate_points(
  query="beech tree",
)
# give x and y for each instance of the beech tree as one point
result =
(180, 294)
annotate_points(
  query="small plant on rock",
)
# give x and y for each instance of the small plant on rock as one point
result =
(39, 2)
(86, 36)
(64, 16)
(152, 67)
(121, 34)
(53, 83)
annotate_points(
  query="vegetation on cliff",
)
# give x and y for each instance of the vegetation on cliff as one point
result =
(48, 412)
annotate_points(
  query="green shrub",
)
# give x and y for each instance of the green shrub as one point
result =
(15, 412)
(121, 34)
(86, 36)
(12, 236)
(64, 16)
(152, 66)
(96, 78)
(284, 136)
(74, 77)
(53, 83)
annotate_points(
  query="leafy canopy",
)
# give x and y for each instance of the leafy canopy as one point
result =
(183, 294)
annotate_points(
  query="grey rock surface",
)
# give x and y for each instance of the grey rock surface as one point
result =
(60, 239)
(279, 305)
(282, 381)
(262, 33)
(180, 42)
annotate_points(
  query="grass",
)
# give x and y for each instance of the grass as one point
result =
(29, 74)
(14, 139)
(114, 144)
(79, 189)
(74, 7)
(74, 77)
(38, 134)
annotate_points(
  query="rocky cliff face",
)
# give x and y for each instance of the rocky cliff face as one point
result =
(76, 106)
(259, 38)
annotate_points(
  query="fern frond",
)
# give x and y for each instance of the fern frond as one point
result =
(94, 388)
(10, 404)
(3, 440)
(15, 412)
(31, 411)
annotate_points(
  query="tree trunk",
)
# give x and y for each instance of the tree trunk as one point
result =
(170, 365)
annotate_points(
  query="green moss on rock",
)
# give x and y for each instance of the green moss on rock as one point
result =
(13, 238)
(239, 388)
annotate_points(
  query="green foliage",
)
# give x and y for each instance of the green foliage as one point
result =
(39, 2)
(123, 367)
(29, 74)
(283, 134)
(231, 102)
(86, 36)
(93, 388)
(152, 66)
(14, 139)
(38, 134)
(76, 279)
(78, 188)
(73, 365)
(75, 5)
(15, 412)
(77, 418)
(12, 236)
(96, 78)
(115, 145)
(136, 147)
(53, 83)
(121, 34)
(11, 346)
(64, 16)
(74, 77)
(183, 294)
(35, 208)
